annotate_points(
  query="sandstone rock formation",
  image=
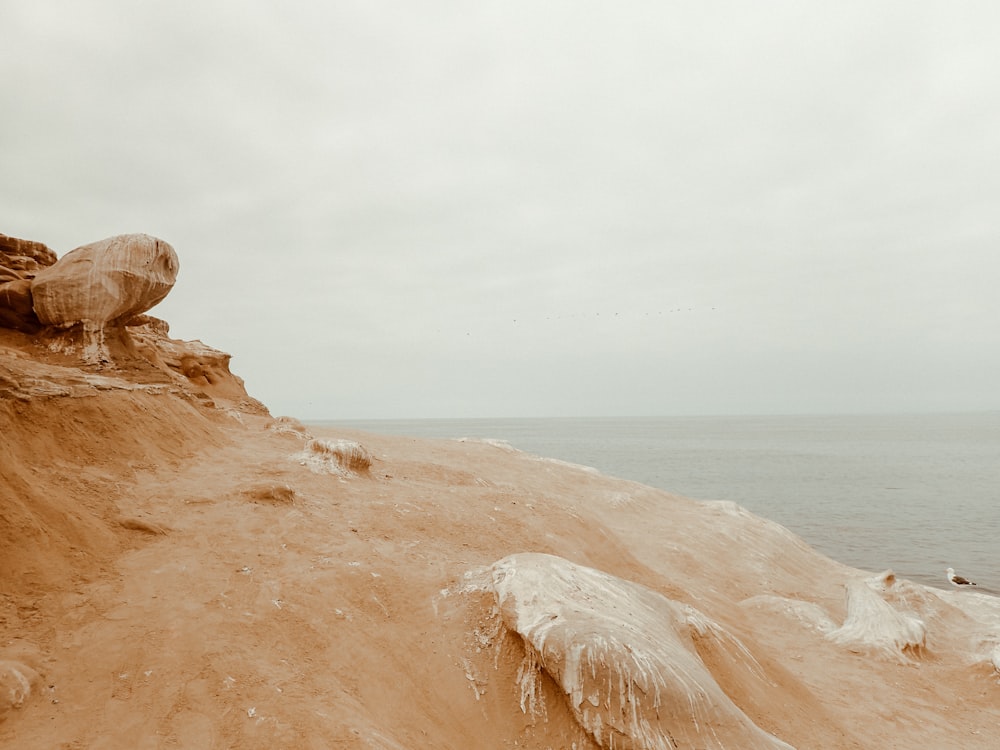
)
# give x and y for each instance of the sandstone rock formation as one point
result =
(20, 260)
(89, 305)
(103, 283)
(16, 310)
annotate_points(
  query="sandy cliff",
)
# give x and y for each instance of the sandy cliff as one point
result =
(180, 569)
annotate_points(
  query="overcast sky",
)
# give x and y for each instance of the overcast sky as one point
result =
(560, 208)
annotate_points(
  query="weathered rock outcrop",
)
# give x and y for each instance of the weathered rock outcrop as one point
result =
(20, 260)
(104, 282)
(90, 305)
(191, 362)
(89, 290)
(16, 309)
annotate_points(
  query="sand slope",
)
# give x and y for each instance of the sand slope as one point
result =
(175, 573)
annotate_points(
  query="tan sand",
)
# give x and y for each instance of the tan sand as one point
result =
(176, 572)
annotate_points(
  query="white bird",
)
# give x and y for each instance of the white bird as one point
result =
(958, 581)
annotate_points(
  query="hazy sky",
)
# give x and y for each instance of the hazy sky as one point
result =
(551, 208)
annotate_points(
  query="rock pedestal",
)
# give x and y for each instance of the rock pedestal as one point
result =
(103, 284)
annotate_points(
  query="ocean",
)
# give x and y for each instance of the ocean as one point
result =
(914, 493)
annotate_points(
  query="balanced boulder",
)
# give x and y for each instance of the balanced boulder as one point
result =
(105, 282)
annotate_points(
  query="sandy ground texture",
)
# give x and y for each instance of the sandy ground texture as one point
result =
(175, 572)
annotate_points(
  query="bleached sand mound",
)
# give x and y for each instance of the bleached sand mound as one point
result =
(873, 624)
(341, 457)
(625, 656)
(16, 680)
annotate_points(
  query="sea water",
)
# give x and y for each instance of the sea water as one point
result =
(914, 493)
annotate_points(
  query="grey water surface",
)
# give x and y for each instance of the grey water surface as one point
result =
(916, 493)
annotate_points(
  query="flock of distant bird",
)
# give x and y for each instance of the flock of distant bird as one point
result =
(615, 315)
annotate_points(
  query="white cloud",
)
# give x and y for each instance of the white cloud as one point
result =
(365, 196)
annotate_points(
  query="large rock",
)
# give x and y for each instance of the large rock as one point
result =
(105, 282)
